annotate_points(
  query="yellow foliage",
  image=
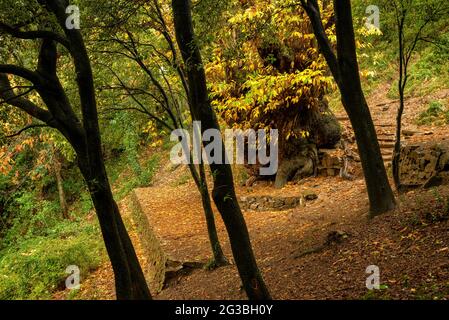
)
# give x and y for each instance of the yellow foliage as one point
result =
(267, 68)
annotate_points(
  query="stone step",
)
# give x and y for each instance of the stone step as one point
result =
(385, 125)
(386, 145)
(386, 139)
(387, 134)
(386, 158)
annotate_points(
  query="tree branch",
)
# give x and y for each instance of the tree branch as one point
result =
(31, 126)
(7, 93)
(21, 72)
(32, 35)
(313, 11)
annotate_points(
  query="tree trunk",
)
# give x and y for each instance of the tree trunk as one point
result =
(397, 144)
(85, 138)
(219, 259)
(401, 87)
(59, 183)
(379, 191)
(130, 282)
(345, 70)
(217, 251)
(223, 193)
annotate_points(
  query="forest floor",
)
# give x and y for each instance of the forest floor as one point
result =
(317, 251)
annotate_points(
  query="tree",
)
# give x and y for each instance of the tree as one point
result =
(344, 68)
(162, 95)
(223, 192)
(413, 20)
(83, 134)
(267, 74)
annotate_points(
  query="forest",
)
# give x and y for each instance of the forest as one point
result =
(224, 150)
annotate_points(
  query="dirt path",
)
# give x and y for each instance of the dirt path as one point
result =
(408, 253)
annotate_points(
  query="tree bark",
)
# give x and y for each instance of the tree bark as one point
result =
(223, 192)
(345, 70)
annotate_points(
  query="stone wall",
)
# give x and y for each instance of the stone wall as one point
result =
(330, 162)
(158, 261)
(424, 164)
(272, 203)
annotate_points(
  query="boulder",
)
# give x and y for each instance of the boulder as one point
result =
(424, 164)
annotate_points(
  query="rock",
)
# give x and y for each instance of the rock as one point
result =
(269, 203)
(425, 164)
(310, 195)
(337, 236)
(291, 202)
(254, 206)
(434, 181)
(278, 203)
(409, 133)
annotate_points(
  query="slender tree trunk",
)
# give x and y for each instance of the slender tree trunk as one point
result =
(217, 251)
(401, 87)
(223, 193)
(219, 259)
(397, 144)
(344, 68)
(59, 183)
(379, 191)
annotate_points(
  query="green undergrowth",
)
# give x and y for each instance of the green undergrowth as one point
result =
(436, 113)
(35, 268)
(38, 245)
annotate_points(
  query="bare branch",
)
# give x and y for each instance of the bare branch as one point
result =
(31, 126)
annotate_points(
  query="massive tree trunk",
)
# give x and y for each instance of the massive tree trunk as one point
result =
(298, 157)
(344, 68)
(223, 193)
